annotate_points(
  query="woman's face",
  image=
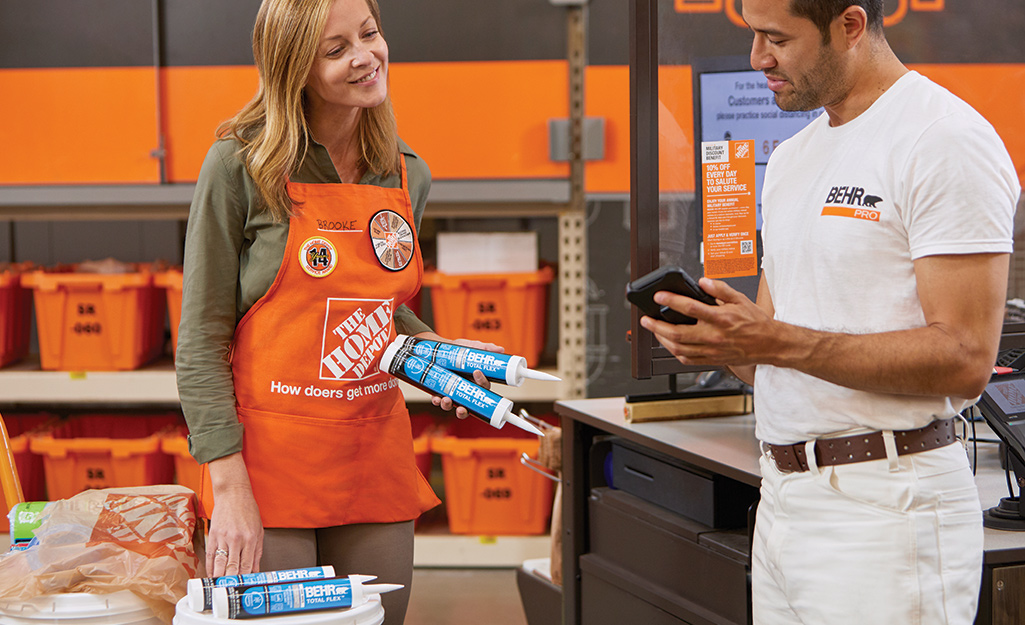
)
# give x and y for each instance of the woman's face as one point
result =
(350, 69)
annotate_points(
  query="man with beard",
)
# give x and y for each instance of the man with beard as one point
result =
(887, 232)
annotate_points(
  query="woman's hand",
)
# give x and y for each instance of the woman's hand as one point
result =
(235, 543)
(445, 403)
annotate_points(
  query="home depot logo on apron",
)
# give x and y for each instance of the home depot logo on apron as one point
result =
(327, 436)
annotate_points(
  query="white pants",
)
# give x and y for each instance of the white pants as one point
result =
(860, 544)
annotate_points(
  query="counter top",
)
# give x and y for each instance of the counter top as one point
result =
(727, 446)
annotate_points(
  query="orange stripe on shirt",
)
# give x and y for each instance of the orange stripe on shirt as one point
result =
(845, 211)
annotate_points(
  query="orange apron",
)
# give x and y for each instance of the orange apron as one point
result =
(327, 439)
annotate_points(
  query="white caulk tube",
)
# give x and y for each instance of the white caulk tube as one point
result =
(200, 591)
(503, 368)
(254, 601)
(430, 377)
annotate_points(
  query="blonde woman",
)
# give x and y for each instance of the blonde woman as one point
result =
(301, 248)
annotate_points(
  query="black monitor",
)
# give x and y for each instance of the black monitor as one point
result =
(727, 99)
(1003, 407)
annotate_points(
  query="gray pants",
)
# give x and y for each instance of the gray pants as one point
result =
(381, 549)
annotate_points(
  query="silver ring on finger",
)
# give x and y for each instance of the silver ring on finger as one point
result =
(221, 552)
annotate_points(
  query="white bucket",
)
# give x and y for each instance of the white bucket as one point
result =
(78, 608)
(370, 613)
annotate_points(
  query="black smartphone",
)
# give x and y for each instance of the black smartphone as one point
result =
(641, 292)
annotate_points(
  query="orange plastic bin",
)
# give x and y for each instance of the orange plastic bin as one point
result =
(504, 309)
(105, 451)
(29, 465)
(423, 429)
(186, 469)
(171, 282)
(487, 490)
(15, 311)
(96, 322)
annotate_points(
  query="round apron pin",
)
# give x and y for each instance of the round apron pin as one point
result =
(392, 238)
(318, 257)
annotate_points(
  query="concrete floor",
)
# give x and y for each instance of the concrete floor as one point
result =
(465, 596)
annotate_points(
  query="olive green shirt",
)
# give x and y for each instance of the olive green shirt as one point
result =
(233, 251)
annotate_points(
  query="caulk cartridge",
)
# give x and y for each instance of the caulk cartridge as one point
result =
(253, 601)
(200, 591)
(502, 368)
(430, 377)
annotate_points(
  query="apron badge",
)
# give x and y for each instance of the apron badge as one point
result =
(392, 238)
(317, 257)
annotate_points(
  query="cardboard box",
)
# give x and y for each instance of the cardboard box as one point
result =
(487, 252)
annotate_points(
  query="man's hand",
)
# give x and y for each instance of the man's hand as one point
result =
(737, 332)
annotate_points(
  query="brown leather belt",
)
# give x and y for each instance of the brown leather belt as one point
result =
(863, 447)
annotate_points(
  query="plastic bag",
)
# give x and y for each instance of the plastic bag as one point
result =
(103, 541)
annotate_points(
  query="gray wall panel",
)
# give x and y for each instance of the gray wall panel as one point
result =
(95, 33)
(46, 243)
(609, 32)
(75, 33)
(982, 31)
(6, 251)
(474, 30)
(208, 32)
(608, 312)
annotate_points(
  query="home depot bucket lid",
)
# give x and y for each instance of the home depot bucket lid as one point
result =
(79, 608)
(370, 613)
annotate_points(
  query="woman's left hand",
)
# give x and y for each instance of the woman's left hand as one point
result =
(445, 403)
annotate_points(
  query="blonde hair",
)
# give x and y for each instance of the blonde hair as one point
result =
(273, 128)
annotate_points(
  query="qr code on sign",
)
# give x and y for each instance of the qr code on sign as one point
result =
(747, 247)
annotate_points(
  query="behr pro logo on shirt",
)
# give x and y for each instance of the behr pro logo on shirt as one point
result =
(355, 334)
(852, 201)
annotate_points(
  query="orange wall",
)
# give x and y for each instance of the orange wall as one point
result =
(78, 126)
(472, 120)
(483, 119)
(997, 92)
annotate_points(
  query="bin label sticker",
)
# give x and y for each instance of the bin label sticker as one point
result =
(356, 331)
(317, 257)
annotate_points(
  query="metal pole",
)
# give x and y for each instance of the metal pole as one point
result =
(572, 225)
(160, 153)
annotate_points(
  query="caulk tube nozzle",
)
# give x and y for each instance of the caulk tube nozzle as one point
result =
(360, 592)
(523, 424)
(540, 375)
(517, 372)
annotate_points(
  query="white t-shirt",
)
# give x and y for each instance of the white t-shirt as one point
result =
(846, 212)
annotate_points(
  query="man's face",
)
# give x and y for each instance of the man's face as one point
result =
(803, 72)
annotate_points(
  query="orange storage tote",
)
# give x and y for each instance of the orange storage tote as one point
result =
(487, 490)
(15, 308)
(171, 282)
(105, 451)
(29, 465)
(97, 322)
(504, 309)
(186, 469)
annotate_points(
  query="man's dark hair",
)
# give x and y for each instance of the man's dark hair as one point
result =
(823, 12)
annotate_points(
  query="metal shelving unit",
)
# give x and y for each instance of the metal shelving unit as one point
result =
(26, 385)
